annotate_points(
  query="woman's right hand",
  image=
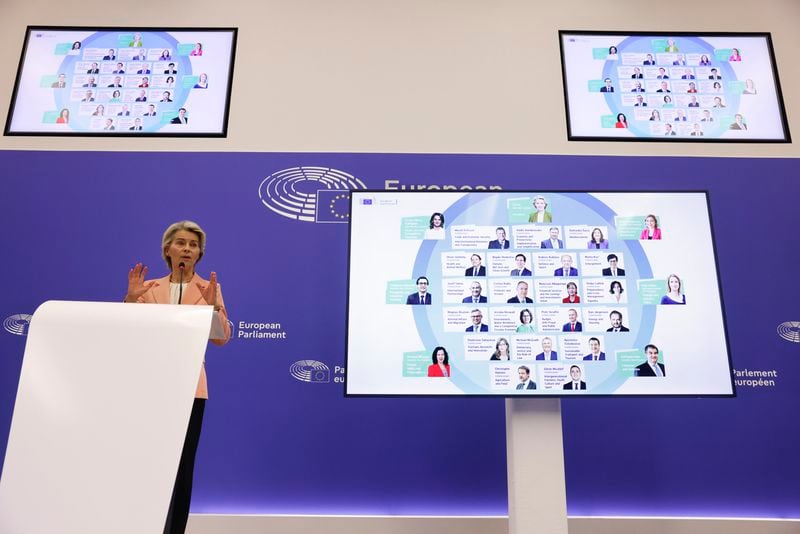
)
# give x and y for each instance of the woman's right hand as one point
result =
(136, 284)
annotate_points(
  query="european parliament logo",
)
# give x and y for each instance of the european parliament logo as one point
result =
(790, 331)
(310, 194)
(310, 371)
(17, 324)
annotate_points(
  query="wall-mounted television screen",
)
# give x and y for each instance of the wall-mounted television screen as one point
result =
(534, 293)
(672, 87)
(123, 81)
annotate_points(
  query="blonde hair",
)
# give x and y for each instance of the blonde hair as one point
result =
(169, 235)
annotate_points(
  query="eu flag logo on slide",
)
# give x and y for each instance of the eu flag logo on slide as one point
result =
(333, 205)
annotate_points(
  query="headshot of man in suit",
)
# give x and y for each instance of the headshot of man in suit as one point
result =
(612, 269)
(124, 112)
(137, 125)
(477, 269)
(649, 60)
(554, 241)
(60, 83)
(651, 367)
(640, 103)
(475, 294)
(714, 75)
(525, 381)
(477, 322)
(547, 350)
(111, 56)
(521, 270)
(607, 88)
(501, 241)
(566, 268)
(522, 294)
(119, 70)
(576, 382)
(637, 73)
(90, 82)
(181, 118)
(573, 325)
(421, 296)
(662, 74)
(93, 69)
(616, 322)
(638, 88)
(594, 351)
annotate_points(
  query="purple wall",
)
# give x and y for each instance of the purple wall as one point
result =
(73, 223)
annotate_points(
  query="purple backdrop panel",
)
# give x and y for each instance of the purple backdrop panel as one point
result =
(278, 439)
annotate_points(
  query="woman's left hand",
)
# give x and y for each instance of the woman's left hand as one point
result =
(209, 291)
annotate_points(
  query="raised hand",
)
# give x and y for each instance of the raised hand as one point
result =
(136, 284)
(209, 291)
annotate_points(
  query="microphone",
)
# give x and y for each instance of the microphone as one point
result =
(181, 267)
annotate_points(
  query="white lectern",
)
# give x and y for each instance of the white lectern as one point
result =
(101, 413)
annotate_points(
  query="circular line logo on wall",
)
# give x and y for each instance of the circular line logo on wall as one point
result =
(17, 324)
(790, 331)
(310, 371)
(309, 194)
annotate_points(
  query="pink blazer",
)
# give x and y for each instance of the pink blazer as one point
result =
(656, 233)
(159, 294)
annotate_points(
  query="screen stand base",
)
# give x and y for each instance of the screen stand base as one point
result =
(537, 496)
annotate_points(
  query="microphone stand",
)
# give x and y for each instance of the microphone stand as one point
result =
(181, 267)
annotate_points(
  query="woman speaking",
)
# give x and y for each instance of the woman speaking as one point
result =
(182, 247)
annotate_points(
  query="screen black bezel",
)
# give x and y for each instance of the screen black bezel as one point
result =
(121, 134)
(787, 138)
(558, 394)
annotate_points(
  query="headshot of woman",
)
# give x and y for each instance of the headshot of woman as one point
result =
(667, 101)
(502, 350)
(597, 240)
(182, 247)
(202, 82)
(526, 318)
(441, 363)
(198, 50)
(612, 51)
(735, 55)
(572, 294)
(674, 294)
(704, 61)
(76, 49)
(655, 115)
(165, 55)
(651, 229)
(170, 82)
(749, 87)
(116, 96)
(63, 117)
(622, 121)
(616, 291)
(717, 87)
(99, 111)
(435, 227)
(540, 214)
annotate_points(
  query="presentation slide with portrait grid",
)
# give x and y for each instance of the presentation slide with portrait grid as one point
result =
(671, 86)
(84, 81)
(534, 293)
